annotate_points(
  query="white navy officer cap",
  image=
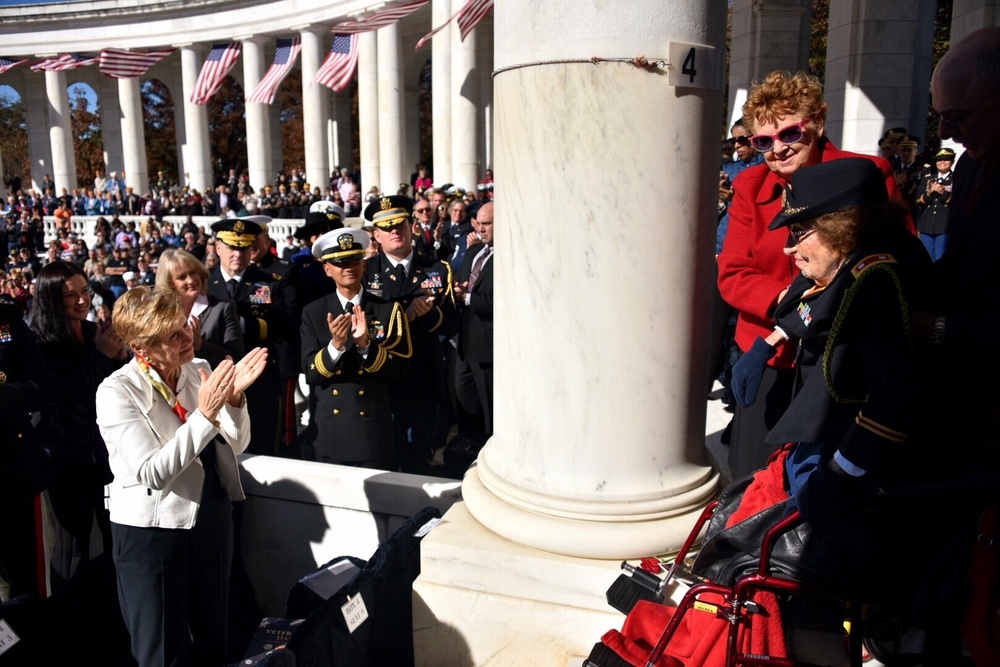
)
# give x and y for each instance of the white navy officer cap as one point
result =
(347, 244)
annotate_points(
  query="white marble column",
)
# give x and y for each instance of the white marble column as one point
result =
(766, 36)
(197, 150)
(441, 92)
(464, 111)
(39, 141)
(391, 128)
(60, 132)
(873, 52)
(133, 135)
(111, 124)
(315, 106)
(257, 115)
(277, 152)
(368, 113)
(967, 16)
(601, 333)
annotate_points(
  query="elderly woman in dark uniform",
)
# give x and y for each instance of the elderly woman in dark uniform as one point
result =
(173, 428)
(847, 429)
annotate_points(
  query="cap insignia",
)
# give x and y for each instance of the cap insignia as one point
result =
(238, 227)
(346, 241)
(385, 203)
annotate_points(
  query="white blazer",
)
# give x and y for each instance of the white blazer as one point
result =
(154, 456)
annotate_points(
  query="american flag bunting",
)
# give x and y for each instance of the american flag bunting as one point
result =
(220, 60)
(379, 19)
(468, 16)
(125, 64)
(284, 59)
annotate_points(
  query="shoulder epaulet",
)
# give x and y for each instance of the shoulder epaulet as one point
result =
(870, 261)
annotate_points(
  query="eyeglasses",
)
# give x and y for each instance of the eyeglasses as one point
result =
(796, 233)
(791, 134)
(742, 141)
(956, 118)
(422, 209)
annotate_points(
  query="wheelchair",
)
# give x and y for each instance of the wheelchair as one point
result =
(874, 626)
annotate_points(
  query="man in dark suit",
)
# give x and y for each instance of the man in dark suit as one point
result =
(265, 319)
(353, 344)
(474, 296)
(425, 294)
(323, 216)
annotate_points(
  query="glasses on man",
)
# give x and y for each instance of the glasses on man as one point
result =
(788, 135)
(796, 233)
(422, 209)
(742, 141)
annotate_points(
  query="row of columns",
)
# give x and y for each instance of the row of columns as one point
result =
(326, 118)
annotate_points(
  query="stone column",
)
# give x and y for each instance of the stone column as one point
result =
(315, 107)
(598, 451)
(464, 111)
(133, 135)
(60, 132)
(111, 124)
(391, 129)
(368, 115)
(197, 150)
(277, 151)
(766, 36)
(257, 115)
(39, 142)
(873, 52)
(967, 16)
(441, 92)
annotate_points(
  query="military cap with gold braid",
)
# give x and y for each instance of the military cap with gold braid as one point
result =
(945, 154)
(340, 246)
(909, 141)
(387, 212)
(238, 232)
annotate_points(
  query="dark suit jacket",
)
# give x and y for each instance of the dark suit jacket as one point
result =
(475, 337)
(220, 332)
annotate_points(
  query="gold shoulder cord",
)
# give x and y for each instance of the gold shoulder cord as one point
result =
(835, 330)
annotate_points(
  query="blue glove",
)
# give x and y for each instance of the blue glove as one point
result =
(748, 371)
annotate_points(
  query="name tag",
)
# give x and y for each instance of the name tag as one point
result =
(355, 612)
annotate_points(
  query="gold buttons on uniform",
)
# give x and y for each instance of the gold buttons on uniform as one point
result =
(336, 392)
(336, 412)
(361, 372)
(337, 372)
(361, 392)
(362, 413)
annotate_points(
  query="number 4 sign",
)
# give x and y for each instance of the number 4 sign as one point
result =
(691, 65)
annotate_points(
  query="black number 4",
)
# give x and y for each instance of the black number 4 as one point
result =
(688, 66)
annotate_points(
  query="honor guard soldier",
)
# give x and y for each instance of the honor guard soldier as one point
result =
(910, 171)
(323, 216)
(353, 344)
(287, 274)
(933, 202)
(266, 321)
(425, 293)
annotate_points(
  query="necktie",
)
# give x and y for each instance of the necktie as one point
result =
(477, 266)
(231, 286)
(401, 272)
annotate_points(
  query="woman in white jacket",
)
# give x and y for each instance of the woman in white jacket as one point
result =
(173, 428)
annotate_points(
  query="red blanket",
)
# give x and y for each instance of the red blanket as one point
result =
(700, 640)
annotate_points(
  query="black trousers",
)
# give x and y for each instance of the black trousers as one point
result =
(173, 587)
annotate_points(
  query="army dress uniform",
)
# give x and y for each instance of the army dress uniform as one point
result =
(416, 397)
(267, 322)
(351, 417)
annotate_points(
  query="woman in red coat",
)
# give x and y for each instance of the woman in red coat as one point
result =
(786, 115)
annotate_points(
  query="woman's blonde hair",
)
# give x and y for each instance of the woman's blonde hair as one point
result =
(144, 316)
(784, 94)
(173, 258)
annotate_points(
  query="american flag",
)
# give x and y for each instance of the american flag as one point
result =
(338, 68)
(469, 16)
(284, 60)
(125, 64)
(379, 19)
(7, 63)
(64, 62)
(220, 60)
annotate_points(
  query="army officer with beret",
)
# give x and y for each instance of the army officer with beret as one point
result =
(353, 344)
